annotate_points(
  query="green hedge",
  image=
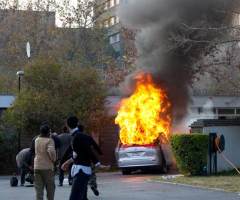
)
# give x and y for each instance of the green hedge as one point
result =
(8, 146)
(191, 153)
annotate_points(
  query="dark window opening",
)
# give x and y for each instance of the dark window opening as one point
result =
(226, 111)
(200, 110)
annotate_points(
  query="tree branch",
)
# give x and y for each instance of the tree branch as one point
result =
(237, 27)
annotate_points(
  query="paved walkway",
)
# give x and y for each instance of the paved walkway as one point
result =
(114, 186)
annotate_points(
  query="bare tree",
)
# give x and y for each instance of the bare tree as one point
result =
(77, 42)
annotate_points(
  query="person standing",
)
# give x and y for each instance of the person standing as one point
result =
(45, 156)
(23, 160)
(65, 142)
(82, 157)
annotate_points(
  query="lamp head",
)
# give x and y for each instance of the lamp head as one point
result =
(20, 73)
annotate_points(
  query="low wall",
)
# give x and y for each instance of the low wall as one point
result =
(232, 145)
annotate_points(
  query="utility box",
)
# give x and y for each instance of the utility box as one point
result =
(230, 129)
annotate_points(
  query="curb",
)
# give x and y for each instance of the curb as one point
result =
(194, 186)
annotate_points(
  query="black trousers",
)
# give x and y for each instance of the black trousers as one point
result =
(79, 186)
(23, 171)
(93, 180)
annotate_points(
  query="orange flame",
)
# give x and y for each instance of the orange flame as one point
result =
(144, 117)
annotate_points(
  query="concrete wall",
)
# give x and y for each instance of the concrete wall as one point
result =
(232, 145)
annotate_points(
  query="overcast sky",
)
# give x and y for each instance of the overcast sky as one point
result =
(23, 4)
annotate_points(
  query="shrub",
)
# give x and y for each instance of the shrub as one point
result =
(190, 152)
(8, 144)
(52, 92)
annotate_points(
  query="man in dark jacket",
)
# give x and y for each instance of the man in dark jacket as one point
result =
(82, 158)
(65, 142)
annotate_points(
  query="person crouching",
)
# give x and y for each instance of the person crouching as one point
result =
(23, 160)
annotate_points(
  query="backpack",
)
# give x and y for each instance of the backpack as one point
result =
(13, 181)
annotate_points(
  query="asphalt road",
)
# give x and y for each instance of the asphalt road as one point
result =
(114, 186)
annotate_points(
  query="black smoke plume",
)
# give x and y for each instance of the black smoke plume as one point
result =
(171, 37)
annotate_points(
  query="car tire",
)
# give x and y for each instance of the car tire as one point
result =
(126, 171)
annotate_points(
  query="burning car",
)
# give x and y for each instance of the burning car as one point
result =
(144, 120)
(134, 157)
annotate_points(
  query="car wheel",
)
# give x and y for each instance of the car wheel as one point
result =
(126, 171)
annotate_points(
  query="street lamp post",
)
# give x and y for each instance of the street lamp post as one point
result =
(19, 74)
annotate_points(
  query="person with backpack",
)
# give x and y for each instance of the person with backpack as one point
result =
(24, 164)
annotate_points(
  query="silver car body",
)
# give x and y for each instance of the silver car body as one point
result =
(139, 156)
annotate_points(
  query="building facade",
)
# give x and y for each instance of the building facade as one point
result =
(120, 38)
(215, 107)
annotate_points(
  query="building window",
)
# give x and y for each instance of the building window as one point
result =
(106, 5)
(112, 21)
(117, 20)
(106, 24)
(236, 19)
(226, 111)
(200, 110)
(114, 38)
(111, 3)
(214, 110)
(238, 111)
